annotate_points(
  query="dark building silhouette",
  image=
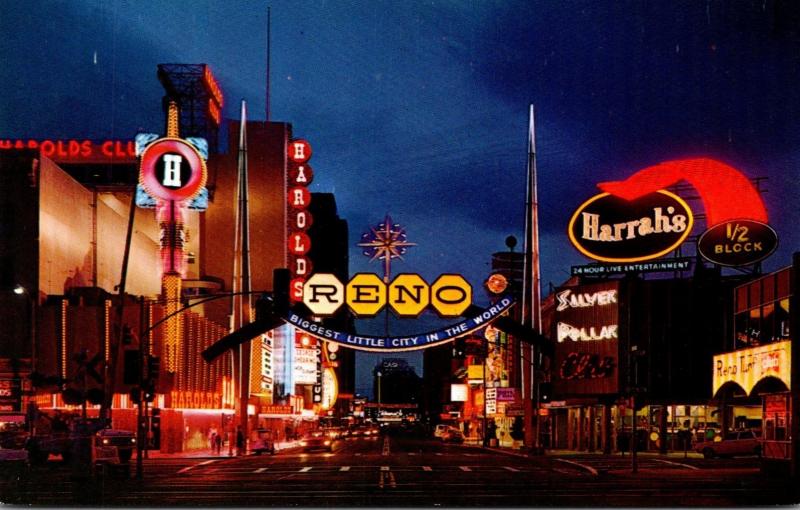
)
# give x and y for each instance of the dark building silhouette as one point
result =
(398, 382)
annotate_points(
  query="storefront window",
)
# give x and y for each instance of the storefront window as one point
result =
(741, 330)
(768, 333)
(782, 319)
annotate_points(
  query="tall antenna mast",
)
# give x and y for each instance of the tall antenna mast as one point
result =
(269, 56)
(531, 290)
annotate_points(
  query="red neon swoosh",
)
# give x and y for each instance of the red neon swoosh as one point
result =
(725, 192)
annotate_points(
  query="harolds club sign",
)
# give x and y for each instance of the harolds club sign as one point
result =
(637, 219)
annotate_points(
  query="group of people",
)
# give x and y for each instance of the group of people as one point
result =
(216, 441)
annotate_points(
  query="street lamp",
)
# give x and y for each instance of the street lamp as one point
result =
(379, 374)
(19, 290)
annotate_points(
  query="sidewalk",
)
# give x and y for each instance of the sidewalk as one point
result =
(573, 453)
(208, 453)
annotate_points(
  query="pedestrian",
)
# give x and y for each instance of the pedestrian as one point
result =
(218, 444)
(239, 441)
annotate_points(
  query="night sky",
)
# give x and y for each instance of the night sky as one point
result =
(419, 109)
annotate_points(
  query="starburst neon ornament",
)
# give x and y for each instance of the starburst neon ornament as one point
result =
(385, 242)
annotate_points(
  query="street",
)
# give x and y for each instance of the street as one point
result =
(405, 471)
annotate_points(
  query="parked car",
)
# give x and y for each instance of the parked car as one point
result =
(316, 440)
(735, 442)
(453, 435)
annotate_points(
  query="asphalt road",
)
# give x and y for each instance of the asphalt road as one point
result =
(401, 471)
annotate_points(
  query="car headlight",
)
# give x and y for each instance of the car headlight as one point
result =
(303, 443)
(327, 443)
(133, 440)
(105, 441)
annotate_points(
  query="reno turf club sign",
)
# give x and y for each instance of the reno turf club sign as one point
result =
(637, 219)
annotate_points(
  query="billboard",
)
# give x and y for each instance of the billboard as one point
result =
(586, 326)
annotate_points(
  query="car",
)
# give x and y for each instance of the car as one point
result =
(317, 440)
(453, 435)
(263, 442)
(734, 442)
(124, 440)
(440, 430)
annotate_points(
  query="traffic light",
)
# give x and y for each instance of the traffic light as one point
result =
(263, 306)
(149, 391)
(280, 290)
(155, 427)
(459, 348)
(127, 335)
(132, 366)
(153, 368)
(545, 391)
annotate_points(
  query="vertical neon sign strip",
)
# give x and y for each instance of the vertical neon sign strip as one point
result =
(64, 308)
(172, 293)
(106, 328)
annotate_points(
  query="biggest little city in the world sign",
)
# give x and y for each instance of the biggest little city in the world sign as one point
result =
(407, 295)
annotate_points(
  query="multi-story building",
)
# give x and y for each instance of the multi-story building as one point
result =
(65, 209)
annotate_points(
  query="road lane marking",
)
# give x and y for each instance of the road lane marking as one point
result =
(260, 470)
(678, 464)
(439, 453)
(464, 468)
(357, 454)
(385, 446)
(427, 468)
(392, 481)
(515, 470)
(204, 463)
(305, 469)
(583, 466)
(384, 468)
(412, 453)
(344, 468)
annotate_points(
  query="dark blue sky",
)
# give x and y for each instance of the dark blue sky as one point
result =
(419, 109)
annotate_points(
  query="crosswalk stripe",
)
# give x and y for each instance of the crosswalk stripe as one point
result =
(515, 470)
(260, 470)
(187, 468)
(306, 469)
(464, 468)
(427, 468)
(344, 468)
(384, 468)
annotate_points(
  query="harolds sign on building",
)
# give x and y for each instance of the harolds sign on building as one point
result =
(586, 334)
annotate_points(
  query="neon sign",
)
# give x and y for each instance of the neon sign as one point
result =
(737, 242)
(299, 176)
(636, 219)
(407, 295)
(407, 343)
(746, 367)
(612, 229)
(78, 151)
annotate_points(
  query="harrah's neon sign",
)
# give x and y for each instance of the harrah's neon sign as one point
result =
(637, 219)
